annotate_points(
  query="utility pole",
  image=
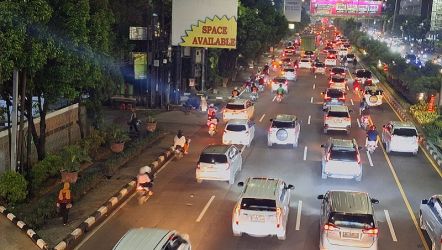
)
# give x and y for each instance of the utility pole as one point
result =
(14, 121)
(203, 69)
(394, 16)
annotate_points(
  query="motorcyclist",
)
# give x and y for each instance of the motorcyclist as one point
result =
(145, 179)
(280, 91)
(211, 111)
(356, 85)
(235, 92)
(372, 136)
(180, 140)
(362, 105)
(365, 114)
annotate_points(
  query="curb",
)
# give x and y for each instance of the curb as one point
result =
(72, 239)
(434, 152)
(25, 228)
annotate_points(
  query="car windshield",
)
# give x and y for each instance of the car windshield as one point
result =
(338, 70)
(332, 52)
(334, 93)
(235, 127)
(258, 204)
(213, 158)
(338, 79)
(309, 52)
(343, 154)
(233, 106)
(305, 60)
(359, 221)
(363, 74)
(338, 114)
(279, 124)
(408, 132)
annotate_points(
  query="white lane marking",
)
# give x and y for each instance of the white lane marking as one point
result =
(205, 208)
(369, 159)
(352, 103)
(298, 216)
(311, 99)
(274, 98)
(309, 118)
(262, 117)
(305, 153)
(390, 226)
(359, 123)
(314, 85)
(164, 165)
(347, 87)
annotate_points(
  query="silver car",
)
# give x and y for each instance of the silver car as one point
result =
(430, 220)
(347, 221)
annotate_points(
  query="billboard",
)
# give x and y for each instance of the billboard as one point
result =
(292, 10)
(345, 8)
(140, 65)
(204, 23)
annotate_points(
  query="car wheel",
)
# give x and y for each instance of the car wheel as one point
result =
(421, 221)
(282, 237)
(199, 180)
(415, 152)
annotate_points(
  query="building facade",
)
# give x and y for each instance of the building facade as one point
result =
(410, 7)
(436, 16)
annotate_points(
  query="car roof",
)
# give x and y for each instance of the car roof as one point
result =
(352, 202)
(261, 187)
(400, 124)
(143, 238)
(279, 78)
(216, 149)
(238, 101)
(362, 70)
(338, 108)
(238, 121)
(372, 87)
(342, 143)
(285, 118)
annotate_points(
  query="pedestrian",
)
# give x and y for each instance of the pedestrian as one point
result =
(133, 121)
(64, 202)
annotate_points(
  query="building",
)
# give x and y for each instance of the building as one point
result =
(436, 16)
(410, 7)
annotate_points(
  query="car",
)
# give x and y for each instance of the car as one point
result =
(319, 68)
(289, 51)
(347, 221)
(338, 71)
(327, 49)
(332, 52)
(289, 73)
(342, 52)
(219, 162)
(330, 60)
(347, 46)
(262, 208)
(373, 95)
(305, 63)
(430, 219)
(337, 82)
(239, 131)
(238, 109)
(280, 80)
(286, 62)
(153, 239)
(284, 129)
(350, 57)
(337, 118)
(310, 54)
(341, 159)
(362, 75)
(333, 97)
(400, 137)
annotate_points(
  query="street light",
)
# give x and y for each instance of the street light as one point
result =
(440, 96)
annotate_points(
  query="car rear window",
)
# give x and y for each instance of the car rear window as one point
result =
(213, 158)
(338, 79)
(309, 52)
(350, 55)
(287, 60)
(333, 52)
(338, 114)
(289, 70)
(235, 127)
(235, 106)
(404, 132)
(305, 60)
(258, 204)
(338, 70)
(363, 73)
(279, 80)
(279, 124)
(359, 221)
(343, 155)
(321, 65)
(335, 93)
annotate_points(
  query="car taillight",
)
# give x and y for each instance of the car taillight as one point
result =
(278, 217)
(236, 212)
(198, 165)
(342, 98)
(227, 166)
(372, 231)
(330, 227)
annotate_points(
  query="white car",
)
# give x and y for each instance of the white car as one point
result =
(290, 74)
(362, 75)
(278, 81)
(238, 109)
(343, 52)
(263, 208)
(219, 162)
(430, 219)
(337, 118)
(305, 63)
(400, 137)
(284, 129)
(153, 239)
(319, 68)
(373, 95)
(341, 159)
(239, 131)
(350, 57)
(330, 61)
(337, 82)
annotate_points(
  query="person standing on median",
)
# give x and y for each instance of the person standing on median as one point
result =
(64, 202)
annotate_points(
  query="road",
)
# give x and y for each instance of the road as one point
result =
(399, 181)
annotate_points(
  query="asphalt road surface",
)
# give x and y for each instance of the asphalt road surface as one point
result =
(399, 181)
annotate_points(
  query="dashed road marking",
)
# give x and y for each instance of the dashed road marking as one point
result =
(359, 123)
(274, 98)
(305, 153)
(262, 117)
(390, 226)
(309, 119)
(352, 103)
(298, 216)
(369, 159)
(314, 85)
(205, 208)
(311, 99)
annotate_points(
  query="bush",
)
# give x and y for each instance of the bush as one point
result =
(73, 156)
(48, 167)
(13, 187)
(433, 131)
(93, 142)
(421, 114)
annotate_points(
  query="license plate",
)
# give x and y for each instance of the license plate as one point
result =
(350, 235)
(257, 218)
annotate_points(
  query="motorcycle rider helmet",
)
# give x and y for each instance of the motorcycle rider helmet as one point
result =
(372, 127)
(145, 169)
(211, 105)
(236, 88)
(280, 85)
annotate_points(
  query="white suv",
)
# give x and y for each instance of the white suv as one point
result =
(400, 137)
(219, 162)
(341, 159)
(263, 208)
(239, 131)
(337, 118)
(284, 129)
(430, 219)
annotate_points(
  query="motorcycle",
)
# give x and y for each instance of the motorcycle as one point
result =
(144, 193)
(278, 98)
(179, 151)
(212, 125)
(254, 97)
(371, 146)
(364, 122)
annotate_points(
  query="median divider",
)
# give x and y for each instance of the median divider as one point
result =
(109, 206)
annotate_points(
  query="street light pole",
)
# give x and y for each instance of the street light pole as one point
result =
(394, 16)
